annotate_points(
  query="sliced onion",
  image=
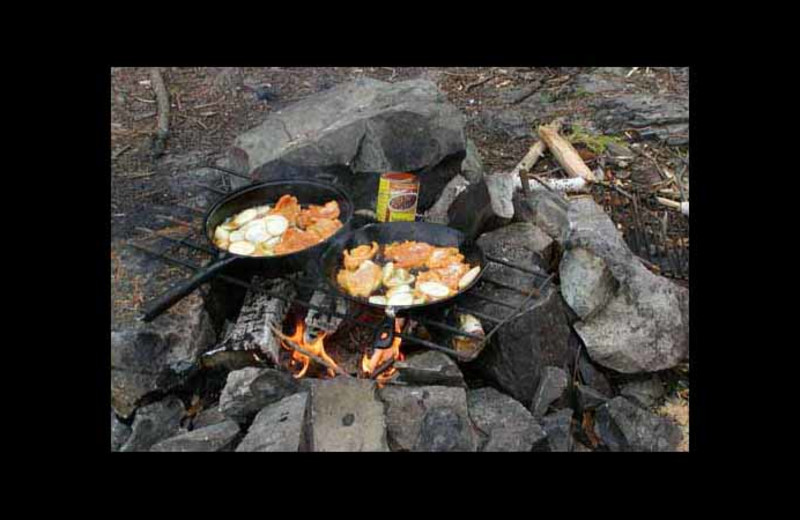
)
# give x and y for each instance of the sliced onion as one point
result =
(398, 290)
(388, 269)
(377, 300)
(272, 242)
(242, 248)
(435, 290)
(245, 216)
(419, 300)
(221, 234)
(229, 225)
(256, 234)
(262, 210)
(276, 224)
(399, 277)
(236, 236)
(468, 277)
(222, 244)
(401, 299)
(265, 249)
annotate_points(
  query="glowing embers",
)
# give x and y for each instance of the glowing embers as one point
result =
(299, 361)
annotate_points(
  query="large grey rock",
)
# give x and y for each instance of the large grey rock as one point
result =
(217, 437)
(662, 117)
(547, 210)
(586, 282)
(250, 389)
(208, 417)
(280, 426)
(429, 368)
(519, 350)
(119, 432)
(503, 423)
(475, 210)
(551, 389)
(358, 129)
(521, 243)
(623, 426)
(155, 422)
(645, 392)
(438, 213)
(346, 415)
(158, 356)
(557, 425)
(644, 327)
(428, 418)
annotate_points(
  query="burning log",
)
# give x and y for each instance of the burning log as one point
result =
(251, 330)
(323, 360)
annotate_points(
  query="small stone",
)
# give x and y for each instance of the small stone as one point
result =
(623, 426)
(644, 392)
(154, 423)
(551, 388)
(429, 368)
(592, 376)
(217, 437)
(207, 417)
(588, 398)
(279, 427)
(250, 389)
(503, 423)
(472, 166)
(586, 282)
(557, 425)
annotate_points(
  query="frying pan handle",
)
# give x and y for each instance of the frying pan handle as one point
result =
(174, 295)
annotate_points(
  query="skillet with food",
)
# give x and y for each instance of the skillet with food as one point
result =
(272, 228)
(402, 266)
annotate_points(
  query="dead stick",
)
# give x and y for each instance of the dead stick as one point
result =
(565, 153)
(162, 131)
(479, 82)
(120, 152)
(298, 348)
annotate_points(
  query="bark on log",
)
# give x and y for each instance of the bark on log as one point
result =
(162, 130)
(251, 330)
(565, 153)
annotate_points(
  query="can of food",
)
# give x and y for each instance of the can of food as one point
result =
(398, 194)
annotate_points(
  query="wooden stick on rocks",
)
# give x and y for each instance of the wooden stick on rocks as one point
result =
(564, 153)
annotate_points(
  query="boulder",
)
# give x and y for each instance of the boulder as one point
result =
(427, 418)
(160, 355)
(480, 208)
(429, 368)
(546, 210)
(279, 427)
(644, 392)
(622, 426)
(644, 326)
(217, 437)
(472, 165)
(502, 423)
(659, 117)
(208, 417)
(551, 389)
(438, 214)
(346, 415)
(155, 422)
(538, 337)
(521, 243)
(586, 282)
(356, 131)
(250, 389)
(557, 426)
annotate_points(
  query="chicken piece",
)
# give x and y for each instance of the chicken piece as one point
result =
(324, 227)
(308, 216)
(444, 256)
(451, 274)
(357, 255)
(295, 240)
(288, 207)
(361, 282)
(409, 254)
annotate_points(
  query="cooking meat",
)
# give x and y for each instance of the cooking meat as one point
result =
(288, 207)
(362, 281)
(295, 240)
(409, 254)
(324, 227)
(443, 257)
(329, 211)
(451, 274)
(357, 255)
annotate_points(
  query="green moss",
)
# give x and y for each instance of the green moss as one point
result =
(597, 143)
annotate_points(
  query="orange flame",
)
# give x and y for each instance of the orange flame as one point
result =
(316, 347)
(380, 356)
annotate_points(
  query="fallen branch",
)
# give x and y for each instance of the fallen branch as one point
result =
(303, 351)
(477, 83)
(162, 130)
(683, 207)
(120, 152)
(565, 153)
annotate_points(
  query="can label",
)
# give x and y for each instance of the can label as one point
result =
(398, 194)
